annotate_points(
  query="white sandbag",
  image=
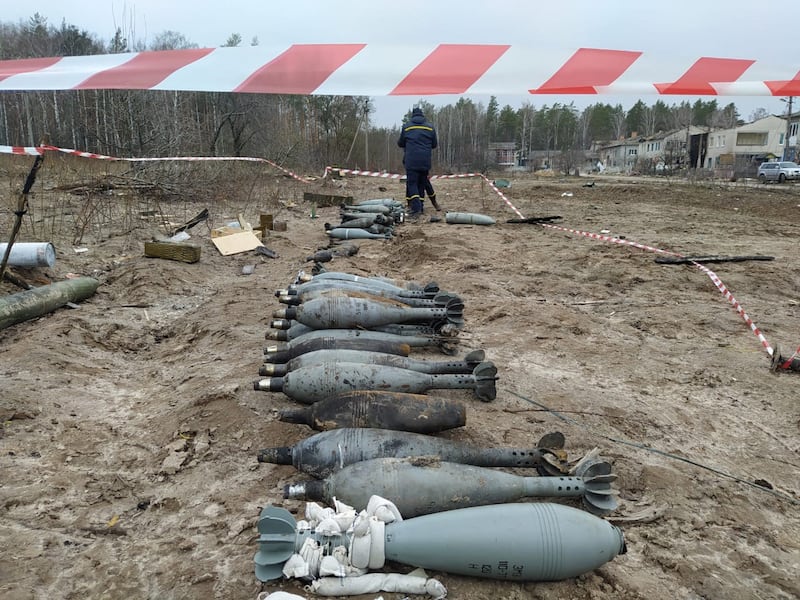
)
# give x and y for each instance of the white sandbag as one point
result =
(377, 557)
(296, 566)
(312, 553)
(316, 513)
(345, 519)
(341, 507)
(383, 509)
(279, 596)
(378, 582)
(359, 549)
(328, 527)
(330, 566)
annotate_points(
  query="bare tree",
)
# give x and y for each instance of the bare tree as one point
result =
(233, 40)
(171, 40)
(619, 122)
(649, 120)
(727, 117)
(682, 115)
(584, 124)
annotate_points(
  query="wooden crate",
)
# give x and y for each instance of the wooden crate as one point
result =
(188, 253)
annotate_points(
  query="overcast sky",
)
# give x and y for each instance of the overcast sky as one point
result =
(689, 28)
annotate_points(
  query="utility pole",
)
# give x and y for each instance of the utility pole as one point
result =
(788, 130)
(366, 134)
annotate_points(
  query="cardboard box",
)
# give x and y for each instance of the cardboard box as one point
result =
(235, 243)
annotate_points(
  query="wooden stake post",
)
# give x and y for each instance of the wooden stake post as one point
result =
(22, 207)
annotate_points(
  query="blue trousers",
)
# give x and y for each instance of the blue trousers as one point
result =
(415, 189)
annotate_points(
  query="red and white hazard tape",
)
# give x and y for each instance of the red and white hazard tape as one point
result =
(726, 293)
(417, 69)
(380, 174)
(385, 175)
(21, 150)
(39, 150)
(503, 196)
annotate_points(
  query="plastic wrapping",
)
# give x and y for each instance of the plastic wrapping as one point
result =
(279, 596)
(378, 582)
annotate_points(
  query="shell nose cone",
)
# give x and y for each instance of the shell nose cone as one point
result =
(279, 335)
(272, 370)
(281, 455)
(270, 384)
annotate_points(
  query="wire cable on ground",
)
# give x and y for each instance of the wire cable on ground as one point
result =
(657, 451)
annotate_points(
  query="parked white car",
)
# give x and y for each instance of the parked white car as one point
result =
(778, 171)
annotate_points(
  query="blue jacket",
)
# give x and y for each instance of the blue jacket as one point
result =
(418, 137)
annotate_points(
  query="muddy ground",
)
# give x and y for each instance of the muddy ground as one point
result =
(130, 424)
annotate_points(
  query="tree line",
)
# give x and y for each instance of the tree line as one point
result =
(301, 132)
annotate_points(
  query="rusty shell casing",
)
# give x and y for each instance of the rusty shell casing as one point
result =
(418, 413)
(317, 357)
(381, 218)
(356, 290)
(362, 222)
(406, 329)
(342, 233)
(416, 341)
(324, 453)
(317, 382)
(391, 202)
(321, 256)
(338, 278)
(370, 208)
(344, 312)
(288, 352)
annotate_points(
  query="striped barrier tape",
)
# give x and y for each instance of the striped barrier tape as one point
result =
(385, 175)
(380, 174)
(503, 196)
(723, 289)
(788, 362)
(21, 150)
(416, 69)
(38, 150)
(726, 293)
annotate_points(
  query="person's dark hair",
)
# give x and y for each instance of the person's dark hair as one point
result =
(416, 112)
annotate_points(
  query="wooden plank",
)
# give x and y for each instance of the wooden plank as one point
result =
(666, 260)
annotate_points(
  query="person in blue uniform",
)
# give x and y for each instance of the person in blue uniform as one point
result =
(431, 193)
(418, 138)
